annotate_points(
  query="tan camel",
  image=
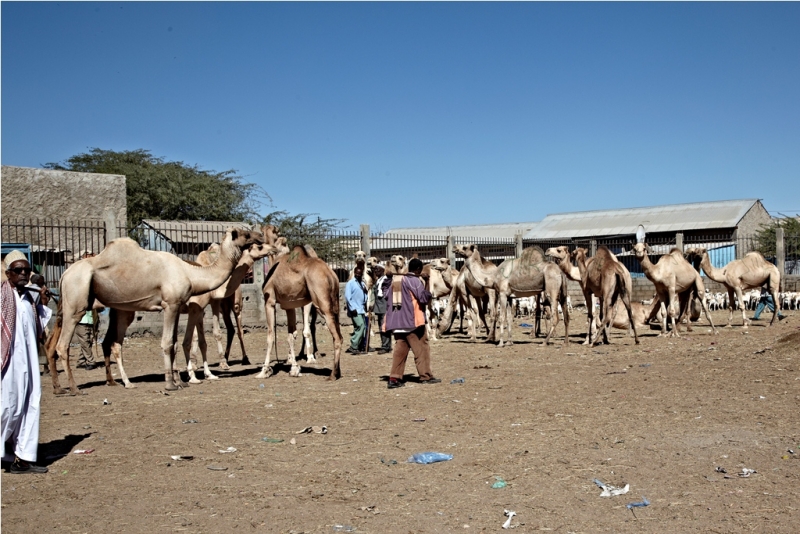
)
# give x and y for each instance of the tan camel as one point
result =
(672, 277)
(439, 281)
(526, 276)
(484, 297)
(126, 278)
(751, 272)
(460, 298)
(604, 276)
(195, 338)
(299, 280)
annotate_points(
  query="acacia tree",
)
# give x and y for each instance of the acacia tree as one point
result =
(765, 240)
(330, 240)
(172, 190)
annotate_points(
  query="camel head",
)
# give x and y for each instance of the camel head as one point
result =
(271, 233)
(262, 250)
(559, 253)
(361, 257)
(372, 261)
(397, 264)
(243, 238)
(640, 250)
(465, 251)
(579, 254)
(281, 245)
(441, 264)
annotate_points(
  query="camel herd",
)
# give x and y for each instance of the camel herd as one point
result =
(126, 278)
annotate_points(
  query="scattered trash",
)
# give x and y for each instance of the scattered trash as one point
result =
(261, 386)
(419, 420)
(762, 351)
(190, 421)
(293, 441)
(179, 457)
(216, 468)
(644, 502)
(499, 484)
(87, 427)
(645, 365)
(509, 514)
(343, 528)
(457, 381)
(106, 402)
(746, 472)
(526, 325)
(83, 451)
(482, 367)
(388, 462)
(721, 470)
(315, 429)
(429, 457)
(611, 491)
(229, 449)
(272, 440)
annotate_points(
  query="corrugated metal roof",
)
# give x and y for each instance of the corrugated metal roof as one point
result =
(670, 218)
(473, 230)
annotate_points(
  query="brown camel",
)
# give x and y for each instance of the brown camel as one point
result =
(603, 275)
(460, 298)
(673, 276)
(222, 297)
(299, 280)
(751, 272)
(126, 278)
(484, 297)
(439, 282)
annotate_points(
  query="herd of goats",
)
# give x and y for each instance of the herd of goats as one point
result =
(127, 279)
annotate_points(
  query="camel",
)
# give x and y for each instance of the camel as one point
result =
(460, 298)
(604, 276)
(751, 272)
(484, 295)
(126, 278)
(223, 297)
(435, 273)
(526, 276)
(299, 280)
(673, 276)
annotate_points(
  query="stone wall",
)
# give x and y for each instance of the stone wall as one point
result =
(753, 220)
(63, 195)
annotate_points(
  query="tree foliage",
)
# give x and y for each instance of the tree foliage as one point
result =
(765, 237)
(330, 240)
(172, 190)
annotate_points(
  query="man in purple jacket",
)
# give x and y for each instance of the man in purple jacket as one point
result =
(405, 318)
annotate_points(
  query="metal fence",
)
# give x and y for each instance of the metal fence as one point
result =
(57, 244)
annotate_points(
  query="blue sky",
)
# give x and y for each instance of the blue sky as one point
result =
(422, 114)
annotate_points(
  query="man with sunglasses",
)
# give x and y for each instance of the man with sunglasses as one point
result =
(21, 386)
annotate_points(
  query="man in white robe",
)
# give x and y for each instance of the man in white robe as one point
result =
(21, 387)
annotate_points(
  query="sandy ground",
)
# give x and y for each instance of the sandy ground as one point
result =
(666, 417)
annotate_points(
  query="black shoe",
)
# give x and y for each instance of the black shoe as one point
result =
(382, 351)
(86, 366)
(781, 317)
(394, 383)
(431, 381)
(352, 351)
(21, 466)
(756, 319)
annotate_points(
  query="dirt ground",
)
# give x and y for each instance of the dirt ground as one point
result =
(665, 417)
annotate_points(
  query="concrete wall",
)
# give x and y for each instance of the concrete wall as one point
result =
(753, 220)
(70, 196)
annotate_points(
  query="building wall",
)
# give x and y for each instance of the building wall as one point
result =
(753, 220)
(64, 195)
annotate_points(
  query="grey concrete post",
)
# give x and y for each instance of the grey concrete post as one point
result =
(679, 241)
(780, 252)
(365, 239)
(593, 248)
(110, 220)
(450, 254)
(518, 242)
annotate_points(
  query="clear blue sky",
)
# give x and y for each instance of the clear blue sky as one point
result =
(422, 114)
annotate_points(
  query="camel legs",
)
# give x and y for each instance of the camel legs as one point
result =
(501, 316)
(291, 323)
(169, 338)
(118, 323)
(64, 332)
(308, 337)
(270, 308)
(195, 330)
(588, 298)
(554, 302)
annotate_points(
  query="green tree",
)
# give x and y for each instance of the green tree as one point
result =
(172, 190)
(331, 241)
(765, 237)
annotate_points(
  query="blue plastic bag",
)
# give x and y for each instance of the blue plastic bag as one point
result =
(429, 457)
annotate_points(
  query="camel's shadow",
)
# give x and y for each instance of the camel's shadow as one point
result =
(51, 452)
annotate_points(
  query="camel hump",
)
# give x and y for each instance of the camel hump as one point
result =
(533, 254)
(310, 252)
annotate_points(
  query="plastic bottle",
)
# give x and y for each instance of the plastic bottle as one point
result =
(429, 457)
(457, 381)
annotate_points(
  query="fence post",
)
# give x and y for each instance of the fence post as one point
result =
(110, 219)
(593, 247)
(780, 254)
(679, 241)
(450, 254)
(365, 239)
(258, 281)
(518, 242)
